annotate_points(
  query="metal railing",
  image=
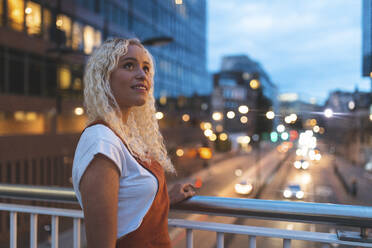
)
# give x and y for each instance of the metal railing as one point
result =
(332, 214)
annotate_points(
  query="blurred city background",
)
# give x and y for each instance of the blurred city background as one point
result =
(255, 99)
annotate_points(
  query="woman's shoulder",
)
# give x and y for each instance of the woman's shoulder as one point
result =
(100, 132)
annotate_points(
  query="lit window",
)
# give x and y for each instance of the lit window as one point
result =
(16, 14)
(47, 23)
(1, 12)
(77, 84)
(63, 23)
(64, 77)
(33, 18)
(97, 38)
(22, 122)
(77, 36)
(88, 39)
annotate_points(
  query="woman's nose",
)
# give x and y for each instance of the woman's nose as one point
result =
(141, 74)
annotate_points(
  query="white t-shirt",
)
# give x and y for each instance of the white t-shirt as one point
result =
(138, 186)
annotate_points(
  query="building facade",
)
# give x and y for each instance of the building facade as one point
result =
(44, 45)
(367, 39)
(243, 81)
(350, 129)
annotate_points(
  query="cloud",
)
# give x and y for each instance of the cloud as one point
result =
(292, 39)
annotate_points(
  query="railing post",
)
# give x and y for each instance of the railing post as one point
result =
(33, 231)
(252, 241)
(189, 238)
(220, 240)
(76, 240)
(286, 243)
(54, 231)
(363, 232)
(13, 229)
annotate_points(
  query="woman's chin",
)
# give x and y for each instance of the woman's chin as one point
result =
(136, 102)
(139, 102)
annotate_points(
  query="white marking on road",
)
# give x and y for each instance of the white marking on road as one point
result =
(323, 191)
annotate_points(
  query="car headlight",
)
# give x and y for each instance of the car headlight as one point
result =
(297, 164)
(305, 165)
(299, 194)
(318, 157)
(287, 193)
(243, 189)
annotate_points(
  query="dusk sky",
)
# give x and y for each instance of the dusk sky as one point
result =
(310, 47)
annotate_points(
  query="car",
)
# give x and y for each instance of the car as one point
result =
(301, 164)
(368, 166)
(244, 187)
(293, 191)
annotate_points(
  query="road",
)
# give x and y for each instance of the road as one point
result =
(319, 183)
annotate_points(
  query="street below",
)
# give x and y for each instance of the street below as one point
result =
(319, 184)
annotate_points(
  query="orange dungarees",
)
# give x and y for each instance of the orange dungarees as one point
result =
(153, 231)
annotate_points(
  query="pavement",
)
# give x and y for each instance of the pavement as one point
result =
(204, 173)
(349, 174)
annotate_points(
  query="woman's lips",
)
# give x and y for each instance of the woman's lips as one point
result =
(139, 88)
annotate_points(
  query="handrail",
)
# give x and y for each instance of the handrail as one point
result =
(335, 214)
(38, 193)
(308, 212)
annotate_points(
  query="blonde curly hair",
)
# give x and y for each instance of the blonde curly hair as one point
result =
(141, 131)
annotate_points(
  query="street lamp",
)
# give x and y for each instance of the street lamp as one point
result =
(280, 128)
(316, 129)
(351, 105)
(79, 111)
(243, 109)
(230, 114)
(328, 113)
(270, 115)
(217, 116)
(159, 115)
(254, 83)
(288, 119)
(293, 117)
(244, 119)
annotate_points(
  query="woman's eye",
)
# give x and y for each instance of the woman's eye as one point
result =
(146, 69)
(128, 66)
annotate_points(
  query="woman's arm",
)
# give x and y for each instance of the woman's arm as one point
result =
(99, 188)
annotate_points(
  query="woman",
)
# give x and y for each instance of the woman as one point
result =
(119, 163)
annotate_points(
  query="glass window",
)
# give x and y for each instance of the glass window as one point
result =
(51, 78)
(124, 18)
(64, 77)
(47, 23)
(1, 14)
(76, 74)
(88, 39)
(33, 18)
(2, 76)
(115, 14)
(63, 23)
(97, 38)
(35, 77)
(78, 85)
(16, 72)
(77, 36)
(16, 14)
(97, 6)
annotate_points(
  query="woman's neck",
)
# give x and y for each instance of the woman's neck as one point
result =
(124, 115)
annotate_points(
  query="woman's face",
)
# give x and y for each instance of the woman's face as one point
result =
(130, 82)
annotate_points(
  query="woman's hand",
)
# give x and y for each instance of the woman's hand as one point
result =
(180, 192)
